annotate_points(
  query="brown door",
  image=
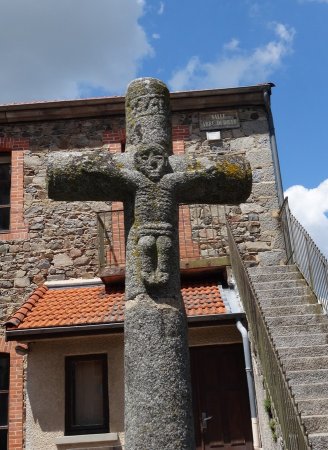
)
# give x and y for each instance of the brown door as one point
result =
(220, 398)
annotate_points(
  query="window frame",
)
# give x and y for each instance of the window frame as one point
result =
(7, 155)
(6, 392)
(70, 429)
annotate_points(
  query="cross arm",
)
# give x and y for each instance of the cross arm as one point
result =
(87, 176)
(225, 180)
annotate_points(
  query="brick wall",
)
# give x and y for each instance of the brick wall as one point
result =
(179, 134)
(115, 139)
(16, 410)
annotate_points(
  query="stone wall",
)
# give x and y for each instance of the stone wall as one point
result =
(62, 237)
(255, 223)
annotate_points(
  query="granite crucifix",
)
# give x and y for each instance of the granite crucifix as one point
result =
(151, 182)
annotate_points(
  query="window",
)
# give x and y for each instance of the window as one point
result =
(5, 183)
(86, 395)
(4, 396)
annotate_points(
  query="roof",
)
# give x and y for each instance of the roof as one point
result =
(76, 306)
(105, 106)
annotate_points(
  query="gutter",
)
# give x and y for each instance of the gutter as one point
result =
(99, 328)
(59, 332)
(250, 384)
(273, 142)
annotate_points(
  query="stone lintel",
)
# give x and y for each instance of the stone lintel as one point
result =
(87, 439)
(205, 262)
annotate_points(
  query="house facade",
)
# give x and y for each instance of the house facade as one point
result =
(62, 276)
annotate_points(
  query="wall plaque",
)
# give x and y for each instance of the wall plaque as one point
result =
(219, 120)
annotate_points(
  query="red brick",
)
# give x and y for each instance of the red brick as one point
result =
(17, 147)
(15, 419)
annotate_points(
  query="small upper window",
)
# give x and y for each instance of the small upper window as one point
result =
(86, 395)
(5, 183)
(4, 397)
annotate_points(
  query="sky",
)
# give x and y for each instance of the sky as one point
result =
(67, 49)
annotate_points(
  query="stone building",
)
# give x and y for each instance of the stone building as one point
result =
(62, 287)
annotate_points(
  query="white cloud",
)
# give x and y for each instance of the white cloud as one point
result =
(156, 36)
(310, 207)
(65, 48)
(232, 45)
(161, 8)
(254, 8)
(244, 67)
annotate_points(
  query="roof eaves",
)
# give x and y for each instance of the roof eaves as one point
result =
(102, 328)
(28, 334)
(105, 106)
(216, 317)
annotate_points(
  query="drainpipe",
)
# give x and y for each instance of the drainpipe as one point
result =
(274, 150)
(250, 384)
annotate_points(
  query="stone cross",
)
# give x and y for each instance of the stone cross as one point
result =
(151, 182)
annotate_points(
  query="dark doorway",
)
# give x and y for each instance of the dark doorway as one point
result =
(220, 398)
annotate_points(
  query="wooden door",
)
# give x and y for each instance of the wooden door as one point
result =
(220, 398)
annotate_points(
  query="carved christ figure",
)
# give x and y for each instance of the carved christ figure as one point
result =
(151, 184)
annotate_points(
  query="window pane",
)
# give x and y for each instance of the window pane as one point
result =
(3, 409)
(4, 220)
(4, 184)
(3, 439)
(89, 393)
(4, 372)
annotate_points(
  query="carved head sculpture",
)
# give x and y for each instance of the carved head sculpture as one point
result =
(152, 161)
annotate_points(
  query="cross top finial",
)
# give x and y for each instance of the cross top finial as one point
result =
(148, 119)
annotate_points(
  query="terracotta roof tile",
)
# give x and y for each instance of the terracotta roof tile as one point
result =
(93, 305)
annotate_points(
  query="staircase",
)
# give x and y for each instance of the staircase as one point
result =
(299, 332)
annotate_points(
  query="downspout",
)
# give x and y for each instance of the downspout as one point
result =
(250, 384)
(274, 150)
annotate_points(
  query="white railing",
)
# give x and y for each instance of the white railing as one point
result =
(302, 251)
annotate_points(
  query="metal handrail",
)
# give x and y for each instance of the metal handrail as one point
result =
(293, 432)
(302, 251)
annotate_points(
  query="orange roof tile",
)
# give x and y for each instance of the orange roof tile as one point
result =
(93, 305)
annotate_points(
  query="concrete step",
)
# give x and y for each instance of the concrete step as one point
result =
(285, 310)
(295, 300)
(295, 377)
(299, 340)
(291, 330)
(313, 406)
(271, 269)
(280, 276)
(319, 441)
(285, 292)
(316, 424)
(282, 284)
(302, 351)
(309, 391)
(296, 320)
(306, 363)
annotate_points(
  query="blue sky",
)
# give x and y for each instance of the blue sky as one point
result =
(59, 49)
